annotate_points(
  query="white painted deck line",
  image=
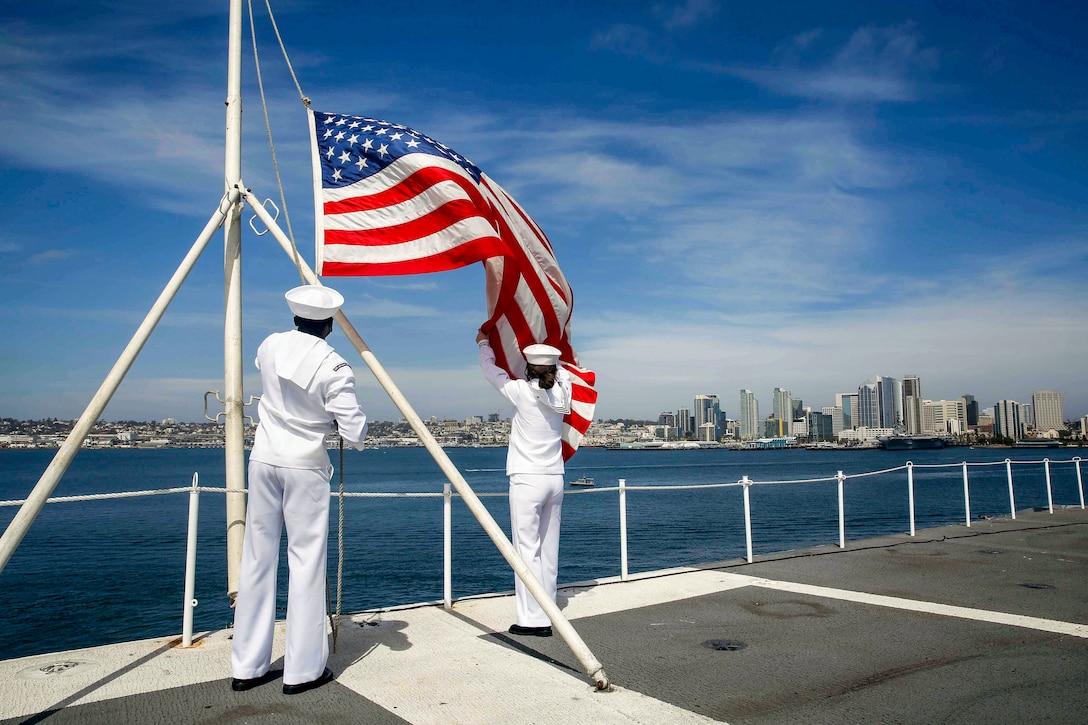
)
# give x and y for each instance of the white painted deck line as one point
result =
(439, 670)
(916, 605)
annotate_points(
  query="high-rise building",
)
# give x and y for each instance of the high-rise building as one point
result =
(1027, 415)
(707, 410)
(821, 425)
(782, 406)
(972, 410)
(685, 426)
(868, 412)
(667, 422)
(1007, 420)
(849, 404)
(890, 395)
(1048, 411)
(912, 404)
(749, 416)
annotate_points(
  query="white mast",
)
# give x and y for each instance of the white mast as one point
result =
(234, 431)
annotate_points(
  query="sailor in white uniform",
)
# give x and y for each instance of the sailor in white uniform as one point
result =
(534, 463)
(307, 389)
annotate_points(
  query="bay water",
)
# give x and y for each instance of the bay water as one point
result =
(97, 572)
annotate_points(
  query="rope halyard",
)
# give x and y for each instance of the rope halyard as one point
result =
(339, 551)
(268, 127)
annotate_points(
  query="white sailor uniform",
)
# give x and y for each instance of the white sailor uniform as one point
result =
(534, 463)
(306, 387)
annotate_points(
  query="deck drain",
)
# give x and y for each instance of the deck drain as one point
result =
(724, 645)
(988, 551)
(1037, 586)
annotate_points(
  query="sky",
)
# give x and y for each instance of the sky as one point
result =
(741, 195)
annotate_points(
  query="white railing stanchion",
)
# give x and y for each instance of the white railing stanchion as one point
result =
(1080, 481)
(623, 529)
(966, 497)
(447, 546)
(747, 517)
(1012, 497)
(910, 494)
(1049, 494)
(190, 566)
(842, 510)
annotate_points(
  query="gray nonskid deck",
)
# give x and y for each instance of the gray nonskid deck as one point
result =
(980, 624)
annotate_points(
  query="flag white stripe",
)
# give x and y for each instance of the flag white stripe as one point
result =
(434, 197)
(445, 240)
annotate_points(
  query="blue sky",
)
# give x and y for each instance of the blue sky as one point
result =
(742, 195)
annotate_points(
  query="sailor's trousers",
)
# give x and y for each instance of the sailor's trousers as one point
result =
(536, 505)
(297, 498)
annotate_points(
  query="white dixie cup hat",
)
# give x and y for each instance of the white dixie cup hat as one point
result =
(314, 301)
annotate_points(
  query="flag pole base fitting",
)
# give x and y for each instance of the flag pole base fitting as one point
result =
(600, 680)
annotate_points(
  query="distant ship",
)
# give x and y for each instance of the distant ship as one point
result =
(910, 443)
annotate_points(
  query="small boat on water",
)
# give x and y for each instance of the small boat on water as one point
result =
(583, 481)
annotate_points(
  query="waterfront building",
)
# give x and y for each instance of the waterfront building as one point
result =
(749, 415)
(775, 428)
(912, 404)
(1027, 415)
(667, 422)
(868, 410)
(835, 411)
(708, 410)
(685, 426)
(1048, 411)
(865, 434)
(1008, 422)
(1084, 427)
(985, 424)
(820, 425)
(972, 410)
(889, 394)
(944, 416)
(782, 407)
(849, 404)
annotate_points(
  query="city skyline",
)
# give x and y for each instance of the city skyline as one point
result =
(741, 196)
(940, 409)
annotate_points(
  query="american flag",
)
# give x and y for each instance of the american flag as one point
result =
(391, 200)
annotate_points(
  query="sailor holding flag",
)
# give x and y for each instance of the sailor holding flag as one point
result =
(534, 463)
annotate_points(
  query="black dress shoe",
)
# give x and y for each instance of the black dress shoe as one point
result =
(531, 631)
(326, 676)
(240, 685)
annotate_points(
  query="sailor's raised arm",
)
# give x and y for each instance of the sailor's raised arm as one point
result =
(492, 372)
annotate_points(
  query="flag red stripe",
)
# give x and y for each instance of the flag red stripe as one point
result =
(435, 221)
(584, 394)
(462, 256)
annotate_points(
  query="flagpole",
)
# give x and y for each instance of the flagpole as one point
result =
(234, 424)
(592, 666)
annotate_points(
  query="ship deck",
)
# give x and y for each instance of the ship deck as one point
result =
(968, 625)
